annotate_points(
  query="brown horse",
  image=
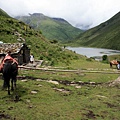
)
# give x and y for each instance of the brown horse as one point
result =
(114, 62)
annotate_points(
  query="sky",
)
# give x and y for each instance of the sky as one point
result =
(84, 14)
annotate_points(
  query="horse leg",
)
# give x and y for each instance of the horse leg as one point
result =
(110, 65)
(4, 84)
(8, 84)
(14, 74)
(15, 84)
(12, 85)
(13, 81)
(9, 90)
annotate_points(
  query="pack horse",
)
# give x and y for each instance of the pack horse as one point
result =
(114, 62)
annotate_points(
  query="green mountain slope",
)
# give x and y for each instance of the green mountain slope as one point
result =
(105, 35)
(52, 28)
(13, 31)
(3, 13)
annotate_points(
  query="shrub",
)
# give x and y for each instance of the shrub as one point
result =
(104, 57)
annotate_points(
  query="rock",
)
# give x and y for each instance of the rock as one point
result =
(33, 92)
(77, 86)
(62, 90)
(39, 85)
(92, 83)
(39, 80)
(115, 82)
(28, 101)
(73, 84)
(54, 82)
(30, 106)
(101, 96)
(81, 82)
(24, 80)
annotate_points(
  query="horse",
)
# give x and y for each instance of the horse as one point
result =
(114, 62)
(10, 71)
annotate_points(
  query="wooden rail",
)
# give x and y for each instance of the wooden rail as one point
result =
(76, 71)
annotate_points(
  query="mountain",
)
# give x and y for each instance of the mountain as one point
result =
(52, 28)
(105, 35)
(15, 31)
(3, 13)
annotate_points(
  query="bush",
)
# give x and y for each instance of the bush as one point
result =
(104, 57)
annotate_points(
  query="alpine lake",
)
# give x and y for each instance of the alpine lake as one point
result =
(96, 53)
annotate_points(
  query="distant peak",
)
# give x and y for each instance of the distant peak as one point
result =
(36, 14)
(60, 19)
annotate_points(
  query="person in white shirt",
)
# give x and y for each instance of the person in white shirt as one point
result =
(118, 65)
(31, 58)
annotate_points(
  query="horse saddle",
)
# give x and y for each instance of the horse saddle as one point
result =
(8, 61)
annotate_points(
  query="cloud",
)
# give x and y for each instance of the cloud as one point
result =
(82, 13)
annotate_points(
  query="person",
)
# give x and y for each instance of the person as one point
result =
(7, 58)
(31, 58)
(118, 65)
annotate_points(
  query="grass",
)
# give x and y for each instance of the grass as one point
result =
(105, 35)
(75, 102)
(52, 29)
(39, 46)
(88, 102)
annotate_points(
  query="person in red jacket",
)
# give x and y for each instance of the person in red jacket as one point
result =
(7, 58)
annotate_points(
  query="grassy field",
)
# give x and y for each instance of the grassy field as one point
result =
(52, 95)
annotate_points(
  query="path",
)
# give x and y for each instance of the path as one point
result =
(103, 71)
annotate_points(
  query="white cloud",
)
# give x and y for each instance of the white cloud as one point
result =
(83, 12)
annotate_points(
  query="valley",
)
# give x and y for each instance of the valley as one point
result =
(66, 85)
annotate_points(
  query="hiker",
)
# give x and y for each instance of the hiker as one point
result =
(118, 65)
(31, 58)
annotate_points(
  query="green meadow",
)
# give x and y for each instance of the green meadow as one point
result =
(68, 86)
(64, 95)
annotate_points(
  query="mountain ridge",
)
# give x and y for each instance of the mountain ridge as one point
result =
(52, 28)
(15, 31)
(3, 13)
(105, 35)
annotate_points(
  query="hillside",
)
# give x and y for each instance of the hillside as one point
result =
(105, 35)
(3, 13)
(52, 28)
(13, 31)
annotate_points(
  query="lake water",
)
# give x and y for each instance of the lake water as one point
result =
(93, 52)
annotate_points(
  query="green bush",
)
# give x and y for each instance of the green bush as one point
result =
(104, 57)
